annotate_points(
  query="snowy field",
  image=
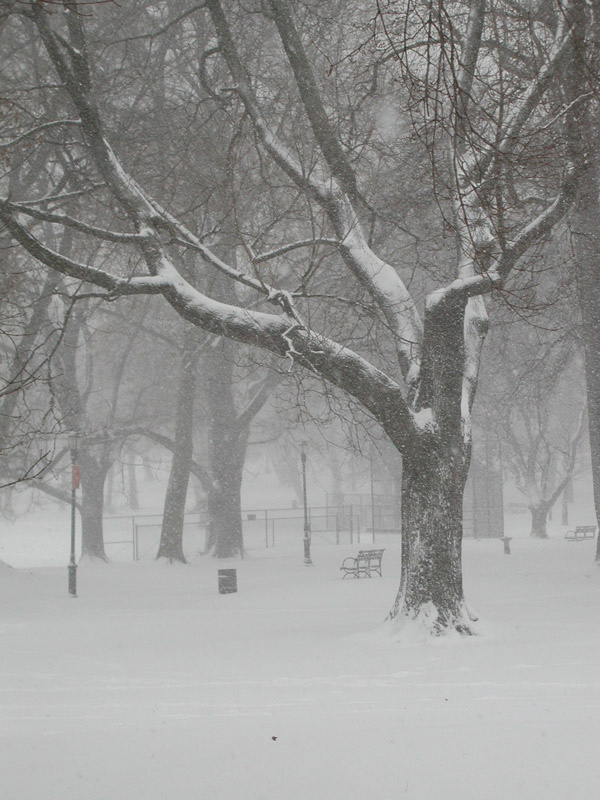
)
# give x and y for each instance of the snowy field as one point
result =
(150, 685)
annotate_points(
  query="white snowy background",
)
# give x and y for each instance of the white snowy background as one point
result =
(151, 685)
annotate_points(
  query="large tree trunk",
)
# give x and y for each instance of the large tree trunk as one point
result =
(225, 538)
(171, 534)
(431, 577)
(539, 518)
(585, 225)
(434, 473)
(584, 219)
(227, 453)
(93, 477)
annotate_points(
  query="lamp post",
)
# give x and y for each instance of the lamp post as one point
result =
(372, 492)
(75, 476)
(307, 559)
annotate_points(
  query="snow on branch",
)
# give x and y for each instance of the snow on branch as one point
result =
(282, 334)
(311, 98)
(113, 284)
(475, 285)
(271, 332)
(380, 279)
(185, 238)
(522, 112)
(148, 215)
(543, 223)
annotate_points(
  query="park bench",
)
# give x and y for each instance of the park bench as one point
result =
(366, 563)
(580, 533)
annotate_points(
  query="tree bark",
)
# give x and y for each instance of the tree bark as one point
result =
(227, 453)
(109, 493)
(434, 473)
(431, 573)
(584, 220)
(93, 477)
(585, 228)
(134, 502)
(15, 370)
(171, 534)
(225, 538)
(539, 517)
(565, 505)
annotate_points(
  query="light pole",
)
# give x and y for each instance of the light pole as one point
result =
(75, 476)
(307, 559)
(372, 492)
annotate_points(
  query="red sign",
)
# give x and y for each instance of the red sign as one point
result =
(76, 476)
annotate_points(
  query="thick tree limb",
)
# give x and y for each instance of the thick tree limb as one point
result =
(169, 444)
(115, 286)
(254, 405)
(340, 366)
(311, 98)
(380, 279)
(54, 491)
(521, 113)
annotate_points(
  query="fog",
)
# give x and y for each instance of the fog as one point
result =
(299, 398)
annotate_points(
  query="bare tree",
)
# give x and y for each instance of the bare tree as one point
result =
(423, 399)
(584, 220)
(538, 412)
(26, 330)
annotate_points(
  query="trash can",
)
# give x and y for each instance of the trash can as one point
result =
(227, 581)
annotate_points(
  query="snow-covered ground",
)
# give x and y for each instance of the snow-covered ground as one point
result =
(150, 685)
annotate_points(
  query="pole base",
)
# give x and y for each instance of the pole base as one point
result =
(307, 559)
(72, 572)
